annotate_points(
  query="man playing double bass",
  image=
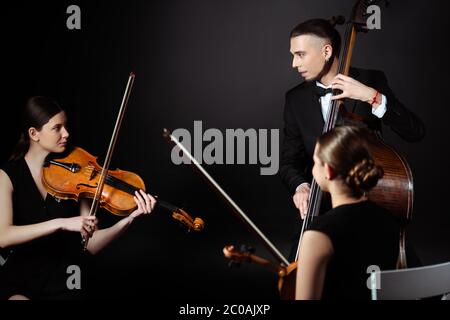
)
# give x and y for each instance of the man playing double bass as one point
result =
(315, 46)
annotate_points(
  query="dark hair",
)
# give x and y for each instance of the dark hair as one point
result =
(37, 112)
(347, 150)
(323, 29)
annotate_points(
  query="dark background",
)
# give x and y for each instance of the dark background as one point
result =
(226, 63)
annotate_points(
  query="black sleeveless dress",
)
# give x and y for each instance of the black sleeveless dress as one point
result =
(363, 235)
(39, 269)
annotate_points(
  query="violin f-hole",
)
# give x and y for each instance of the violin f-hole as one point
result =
(85, 185)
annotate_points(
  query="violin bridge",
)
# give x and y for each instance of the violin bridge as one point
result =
(90, 171)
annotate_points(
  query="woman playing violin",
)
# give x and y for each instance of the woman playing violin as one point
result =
(43, 232)
(339, 246)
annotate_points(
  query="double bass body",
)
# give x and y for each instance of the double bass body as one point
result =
(394, 192)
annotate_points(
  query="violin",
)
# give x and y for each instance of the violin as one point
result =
(77, 176)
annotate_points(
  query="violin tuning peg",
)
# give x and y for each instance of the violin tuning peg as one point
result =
(199, 224)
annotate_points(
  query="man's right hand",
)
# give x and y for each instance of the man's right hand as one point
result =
(301, 199)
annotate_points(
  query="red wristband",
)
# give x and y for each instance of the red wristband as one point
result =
(374, 98)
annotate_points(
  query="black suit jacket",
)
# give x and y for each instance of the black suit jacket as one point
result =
(303, 123)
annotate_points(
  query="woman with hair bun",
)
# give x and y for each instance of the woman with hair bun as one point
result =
(340, 245)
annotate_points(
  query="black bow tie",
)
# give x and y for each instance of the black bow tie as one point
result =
(322, 91)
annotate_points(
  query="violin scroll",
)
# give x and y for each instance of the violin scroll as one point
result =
(238, 256)
(246, 254)
(196, 224)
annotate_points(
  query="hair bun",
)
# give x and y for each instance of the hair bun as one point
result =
(364, 176)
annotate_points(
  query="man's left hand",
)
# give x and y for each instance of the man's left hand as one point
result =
(352, 89)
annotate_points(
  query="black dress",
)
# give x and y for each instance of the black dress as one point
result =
(39, 269)
(363, 235)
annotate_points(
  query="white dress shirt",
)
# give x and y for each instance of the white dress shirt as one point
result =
(325, 102)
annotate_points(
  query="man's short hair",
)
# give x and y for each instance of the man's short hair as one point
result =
(321, 28)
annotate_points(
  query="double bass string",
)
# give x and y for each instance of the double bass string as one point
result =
(315, 197)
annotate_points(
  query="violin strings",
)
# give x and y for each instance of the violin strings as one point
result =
(119, 184)
(130, 189)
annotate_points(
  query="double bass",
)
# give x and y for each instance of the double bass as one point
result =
(393, 192)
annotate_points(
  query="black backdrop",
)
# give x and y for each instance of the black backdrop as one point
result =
(226, 63)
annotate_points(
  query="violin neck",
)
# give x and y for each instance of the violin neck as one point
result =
(167, 205)
(161, 203)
